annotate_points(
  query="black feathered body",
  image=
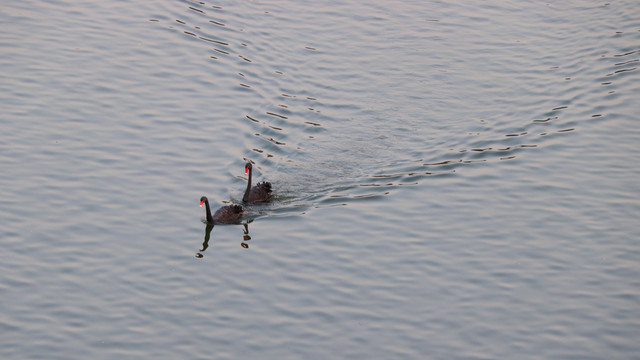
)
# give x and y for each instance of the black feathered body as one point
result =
(227, 213)
(260, 192)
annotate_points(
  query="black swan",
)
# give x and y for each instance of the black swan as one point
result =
(226, 214)
(259, 193)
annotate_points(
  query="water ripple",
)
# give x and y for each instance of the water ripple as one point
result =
(318, 124)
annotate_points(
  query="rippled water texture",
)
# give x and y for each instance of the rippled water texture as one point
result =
(451, 180)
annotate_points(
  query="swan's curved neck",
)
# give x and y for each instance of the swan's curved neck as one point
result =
(209, 218)
(245, 198)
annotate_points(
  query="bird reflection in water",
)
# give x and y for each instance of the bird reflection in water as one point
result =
(207, 237)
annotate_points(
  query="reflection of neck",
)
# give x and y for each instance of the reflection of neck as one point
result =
(246, 193)
(209, 218)
(207, 235)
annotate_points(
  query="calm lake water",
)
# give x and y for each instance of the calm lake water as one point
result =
(453, 180)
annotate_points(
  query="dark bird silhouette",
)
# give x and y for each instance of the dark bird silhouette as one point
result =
(259, 193)
(226, 214)
(205, 244)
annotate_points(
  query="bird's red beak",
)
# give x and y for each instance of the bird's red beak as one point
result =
(246, 170)
(201, 203)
